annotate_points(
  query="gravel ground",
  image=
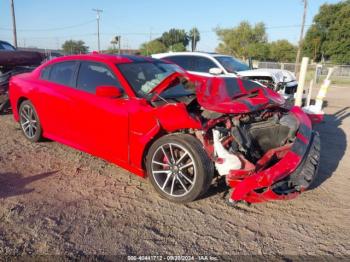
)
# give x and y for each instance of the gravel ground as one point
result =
(56, 200)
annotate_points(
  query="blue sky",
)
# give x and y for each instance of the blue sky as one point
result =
(48, 23)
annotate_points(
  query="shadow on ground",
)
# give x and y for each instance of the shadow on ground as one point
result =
(333, 144)
(218, 187)
(14, 184)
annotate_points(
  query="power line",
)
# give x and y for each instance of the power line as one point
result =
(127, 33)
(49, 29)
(61, 36)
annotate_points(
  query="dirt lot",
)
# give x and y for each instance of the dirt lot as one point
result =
(55, 200)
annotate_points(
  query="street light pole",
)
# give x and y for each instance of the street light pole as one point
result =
(14, 24)
(98, 11)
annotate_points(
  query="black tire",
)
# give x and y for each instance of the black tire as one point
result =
(202, 168)
(4, 106)
(308, 174)
(27, 113)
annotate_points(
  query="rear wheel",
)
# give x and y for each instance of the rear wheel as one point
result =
(179, 168)
(29, 121)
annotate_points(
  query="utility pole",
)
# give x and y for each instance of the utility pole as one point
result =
(301, 37)
(116, 41)
(119, 44)
(98, 12)
(194, 41)
(14, 24)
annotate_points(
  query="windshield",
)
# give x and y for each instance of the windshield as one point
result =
(231, 64)
(143, 77)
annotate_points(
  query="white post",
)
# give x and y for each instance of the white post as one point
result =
(309, 92)
(301, 84)
(323, 90)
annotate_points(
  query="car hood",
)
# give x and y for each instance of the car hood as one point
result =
(235, 96)
(278, 75)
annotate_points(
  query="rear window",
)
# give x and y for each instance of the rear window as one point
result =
(6, 47)
(63, 73)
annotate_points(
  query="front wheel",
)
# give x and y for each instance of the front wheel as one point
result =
(179, 168)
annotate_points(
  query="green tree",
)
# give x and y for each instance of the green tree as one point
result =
(75, 47)
(152, 47)
(282, 51)
(179, 47)
(329, 35)
(194, 37)
(173, 37)
(259, 51)
(243, 41)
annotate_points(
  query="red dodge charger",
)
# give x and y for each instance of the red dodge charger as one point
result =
(179, 130)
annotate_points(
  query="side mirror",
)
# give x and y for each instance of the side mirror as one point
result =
(108, 91)
(215, 71)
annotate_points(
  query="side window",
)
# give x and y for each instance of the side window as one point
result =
(92, 75)
(45, 73)
(183, 61)
(202, 64)
(63, 73)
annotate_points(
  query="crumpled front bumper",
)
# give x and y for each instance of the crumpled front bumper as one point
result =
(290, 176)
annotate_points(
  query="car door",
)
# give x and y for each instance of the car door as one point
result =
(101, 123)
(55, 105)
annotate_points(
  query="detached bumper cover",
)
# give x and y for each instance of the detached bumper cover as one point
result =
(290, 176)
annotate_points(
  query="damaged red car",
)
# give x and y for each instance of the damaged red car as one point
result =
(179, 130)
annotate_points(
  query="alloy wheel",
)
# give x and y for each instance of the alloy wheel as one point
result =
(174, 169)
(29, 121)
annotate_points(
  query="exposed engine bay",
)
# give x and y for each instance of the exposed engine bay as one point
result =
(253, 135)
(247, 144)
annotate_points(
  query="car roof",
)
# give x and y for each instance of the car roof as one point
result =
(202, 54)
(116, 59)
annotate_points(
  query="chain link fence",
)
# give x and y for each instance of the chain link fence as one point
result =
(342, 71)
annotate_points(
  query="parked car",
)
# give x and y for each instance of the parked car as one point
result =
(180, 130)
(14, 62)
(207, 64)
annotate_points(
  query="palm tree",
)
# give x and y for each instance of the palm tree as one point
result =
(194, 37)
